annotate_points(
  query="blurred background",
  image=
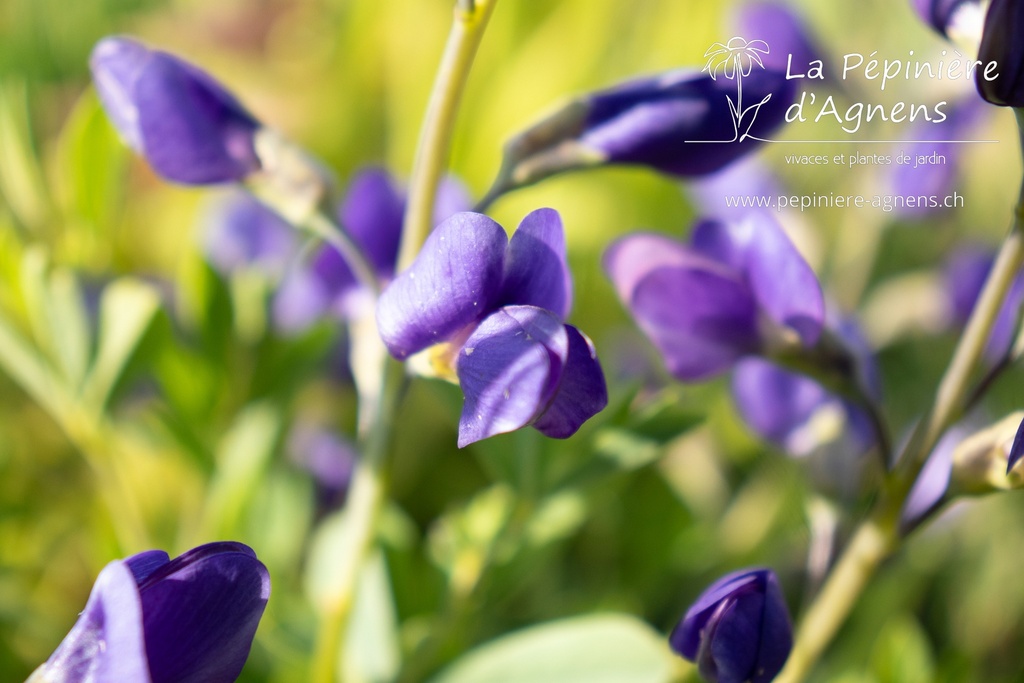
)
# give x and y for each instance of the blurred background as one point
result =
(174, 413)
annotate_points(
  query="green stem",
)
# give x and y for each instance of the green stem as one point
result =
(435, 138)
(878, 536)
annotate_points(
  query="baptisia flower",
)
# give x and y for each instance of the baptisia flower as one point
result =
(964, 275)
(738, 630)
(371, 213)
(955, 19)
(737, 289)
(1001, 43)
(240, 233)
(185, 123)
(150, 619)
(491, 310)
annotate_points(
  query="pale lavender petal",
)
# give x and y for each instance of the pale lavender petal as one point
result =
(192, 130)
(300, 301)
(452, 198)
(509, 369)
(106, 643)
(750, 177)
(929, 488)
(115, 63)
(629, 259)
(701, 320)
(201, 611)
(242, 232)
(536, 271)
(581, 391)
(453, 282)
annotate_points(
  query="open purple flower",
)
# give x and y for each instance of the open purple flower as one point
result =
(738, 630)
(1000, 43)
(189, 128)
(737, 289)
(497, 305)
(372, 213)
(150, 619)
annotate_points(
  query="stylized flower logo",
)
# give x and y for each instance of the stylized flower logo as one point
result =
(736, 60)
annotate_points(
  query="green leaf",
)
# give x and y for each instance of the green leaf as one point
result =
(372, 637)
(21, 177)
(608, 648)
(127, 307)
(902, 653)
(241, 461)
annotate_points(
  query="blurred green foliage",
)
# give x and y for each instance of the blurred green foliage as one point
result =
(143, 403)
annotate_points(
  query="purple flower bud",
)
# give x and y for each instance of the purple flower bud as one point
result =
(189, 128)
(1000, 43)
(681, 122)
(491, 311)
(738, 630)
(737, 289)
(150, 619)
(241, 232)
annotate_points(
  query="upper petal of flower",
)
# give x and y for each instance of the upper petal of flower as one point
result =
(536, 272)
(200, 613)
(454, 281)
(581, 393)
(372, 213)
(106, 643)
(785, 286)
(145, 563)
(509, 369)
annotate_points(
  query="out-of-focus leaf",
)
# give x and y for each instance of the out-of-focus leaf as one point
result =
(463, 542)
(127, 308)
(902, 653)
(557, 518)
(21, 178)
(92, 161)
(25, 366)
(607, 648)
(241, 461)
(372, 645)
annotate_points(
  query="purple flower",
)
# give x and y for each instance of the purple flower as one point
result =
(150, 619)
(946, 16)
(241, 232)
(794, 412)
(929, 489)
(681, 122)
(189, 128)
(372, 213)
(738, 289)
(328, 457)
(966, 271)
(1000, 43)
(738, 630)
(497, 305)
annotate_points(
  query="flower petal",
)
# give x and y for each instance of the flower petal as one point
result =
(630, 259)
(785, 286)
(115, 64)
(536, 272)
(201, 611)
(106, 643)
(192, 130)
(242, 232)
(145, 563)
(700, 319)
(730, 645)
(685, 638)
(509, 369)
(372, 213)
(455, 279)
(581, 392)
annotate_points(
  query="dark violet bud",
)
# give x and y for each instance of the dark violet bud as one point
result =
(738, 630)
(189, 128)
(949, 17)
(1001, 44)
(150, 619)
(965, 273)
(489, 311)
(240, 232)
(371, 213)
(739, 288)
